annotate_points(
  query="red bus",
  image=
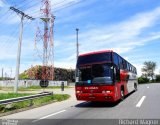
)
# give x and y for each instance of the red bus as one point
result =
(104, 76)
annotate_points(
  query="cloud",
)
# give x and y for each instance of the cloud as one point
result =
(126, 35)
(55, 6)
(34, 9)
(122, 37)
(67, 65)
(1, 3)
(138, 67)
(7, 50)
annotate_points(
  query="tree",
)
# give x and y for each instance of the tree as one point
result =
(148, 69)
(157, 78)
(23, 76)
(59, 73)
(143, 80)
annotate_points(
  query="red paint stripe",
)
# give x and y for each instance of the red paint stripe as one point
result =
(97, 52)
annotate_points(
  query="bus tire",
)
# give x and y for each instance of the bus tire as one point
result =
(135, 87)
(122, 94)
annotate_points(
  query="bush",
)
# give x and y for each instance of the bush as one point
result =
(142, 80)
(157, 78)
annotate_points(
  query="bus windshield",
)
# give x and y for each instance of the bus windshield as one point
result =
(94, 58)
(95, 74)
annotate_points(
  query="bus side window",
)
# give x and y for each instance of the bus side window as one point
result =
(136, 71)
(116, 60)
(132, 69)
(129, 67)
(116, 74)
(120, 63)
(125, 64)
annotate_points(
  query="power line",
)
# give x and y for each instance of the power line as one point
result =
(59, 8)
(74, 3)
(13, 34)
(25, 4)
(10, 37)
(4, 15)
(13, 2)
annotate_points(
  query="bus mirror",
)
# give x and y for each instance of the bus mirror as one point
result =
(114, 75)
(117, 75)
(77, 79)
(115, 72)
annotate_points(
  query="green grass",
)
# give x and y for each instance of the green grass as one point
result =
(34, 88)
(12, 95)
(6, 88)
(25, 104)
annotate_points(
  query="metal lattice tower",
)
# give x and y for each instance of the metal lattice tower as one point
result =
(45, 35)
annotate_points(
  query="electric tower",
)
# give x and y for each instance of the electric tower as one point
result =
(44, 36)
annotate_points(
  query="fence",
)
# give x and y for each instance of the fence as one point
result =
(27, 83)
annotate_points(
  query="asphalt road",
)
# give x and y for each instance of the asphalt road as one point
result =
(142, 104)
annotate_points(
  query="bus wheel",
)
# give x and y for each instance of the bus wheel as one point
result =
(135, 87)
(122, 94)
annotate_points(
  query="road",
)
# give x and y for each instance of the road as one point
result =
(142, 104)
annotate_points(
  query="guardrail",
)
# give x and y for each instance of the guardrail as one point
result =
(25, 98)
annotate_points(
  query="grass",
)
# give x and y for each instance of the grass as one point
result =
(32, 88)
(12, 95)
(29, 103)
(6, 88)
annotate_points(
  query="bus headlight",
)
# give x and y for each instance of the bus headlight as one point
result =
(103, 92)
(108, 91)
(78, 92)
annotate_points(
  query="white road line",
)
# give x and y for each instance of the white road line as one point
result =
(140, 102)
(147, 87)
(49, 116)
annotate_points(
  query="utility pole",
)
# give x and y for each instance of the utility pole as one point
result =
(11, 73)
(77, 44)
(77, 53)
(23, 15)
(2, 73)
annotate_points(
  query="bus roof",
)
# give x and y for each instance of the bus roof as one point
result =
(97, 52)
(102, 51)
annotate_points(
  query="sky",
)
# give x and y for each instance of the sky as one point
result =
(129, 27)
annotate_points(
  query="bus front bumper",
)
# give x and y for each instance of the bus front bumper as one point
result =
(95, 97)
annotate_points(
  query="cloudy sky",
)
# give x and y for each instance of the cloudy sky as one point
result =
(129, 27)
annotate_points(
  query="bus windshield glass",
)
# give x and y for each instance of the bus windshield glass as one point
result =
(95, 74)
(94, 58)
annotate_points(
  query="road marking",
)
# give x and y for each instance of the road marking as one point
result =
(49, 116)
(147, 87)
(140, 102)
